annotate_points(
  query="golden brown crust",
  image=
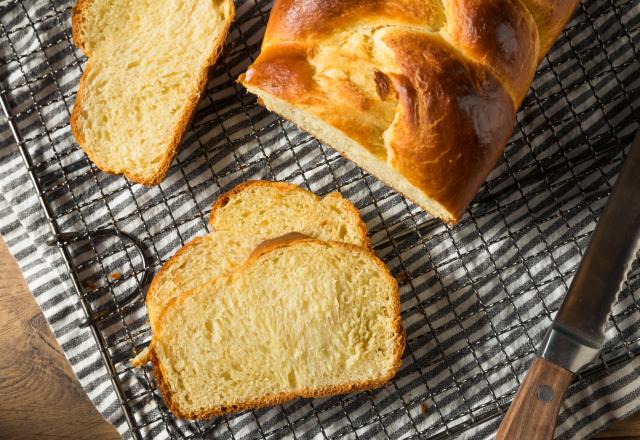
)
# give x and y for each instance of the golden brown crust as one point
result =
(551, 16)
(430, 89)
(306, 392)
(453, 120)
(77, 21)
(510, 50)
(294, 20)
(285, 72)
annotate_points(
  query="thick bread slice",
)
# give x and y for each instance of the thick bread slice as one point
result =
(301, 318)
(241, 219)
(148, 65)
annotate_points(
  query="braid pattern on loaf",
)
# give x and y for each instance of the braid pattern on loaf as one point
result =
(429, 87)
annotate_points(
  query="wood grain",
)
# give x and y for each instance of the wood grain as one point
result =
(628, 429)
(41, 397)
(534, 411)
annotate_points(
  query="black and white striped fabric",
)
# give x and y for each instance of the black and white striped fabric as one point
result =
(476, 299)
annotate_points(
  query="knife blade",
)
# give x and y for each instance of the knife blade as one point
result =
(578, 330)
(577, 333)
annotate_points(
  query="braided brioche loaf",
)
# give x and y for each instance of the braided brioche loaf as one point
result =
(420, 93)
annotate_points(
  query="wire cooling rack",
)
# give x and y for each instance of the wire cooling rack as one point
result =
(476, 299)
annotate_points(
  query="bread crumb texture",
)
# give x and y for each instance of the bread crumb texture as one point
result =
(240, 220)
(301, 318)
(148, 64)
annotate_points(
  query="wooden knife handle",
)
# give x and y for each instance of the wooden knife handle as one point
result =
(534, 411)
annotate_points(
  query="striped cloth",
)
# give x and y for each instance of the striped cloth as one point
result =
(476, 299)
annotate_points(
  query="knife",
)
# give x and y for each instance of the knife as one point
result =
(578, 330)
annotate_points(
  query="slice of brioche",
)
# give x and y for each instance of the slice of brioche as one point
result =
(301, 318)
(241, 219)
(148, 65)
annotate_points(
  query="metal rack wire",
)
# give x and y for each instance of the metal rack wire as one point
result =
(476, 299)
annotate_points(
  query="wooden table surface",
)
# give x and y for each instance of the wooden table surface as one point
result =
(40, 398)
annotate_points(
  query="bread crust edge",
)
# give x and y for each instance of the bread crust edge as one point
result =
(305, 392)
(171, 148)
